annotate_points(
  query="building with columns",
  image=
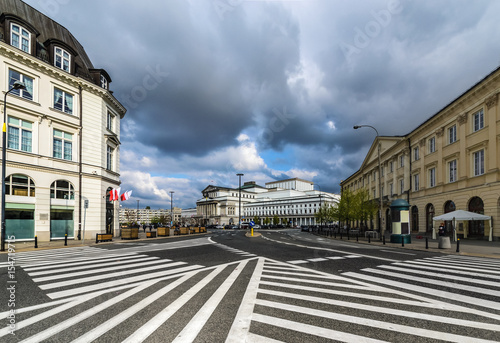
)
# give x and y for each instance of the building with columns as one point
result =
(449, 162)
(63, 131)
(293, 201)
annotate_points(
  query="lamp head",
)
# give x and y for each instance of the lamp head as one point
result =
(356, 127)
(18, 85)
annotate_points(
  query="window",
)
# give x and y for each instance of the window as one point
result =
(391, 190)
(416, 156)
(63, 101)
(452, 167)
(63, 146)
(28, 82)
(20, 37)
(478, 122)
(62, 189)
(401, 186)
(109, 121)
(416, 182)
(19, 134)
(20, 185)
(432, 144)
(432, 177)
(391, 168)
(109, 158)
(62, 59)
(104, 82)
(452, 134)
(402, 160)
(479, 163)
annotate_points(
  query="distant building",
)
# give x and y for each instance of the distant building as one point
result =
(293, 201)
(146, 215)
(63, 131)
(449, 162)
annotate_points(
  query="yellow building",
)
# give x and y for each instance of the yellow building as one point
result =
(449, 162)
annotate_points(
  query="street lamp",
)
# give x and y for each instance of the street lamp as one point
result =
(382, 231)
(16, 86)
(171, 208)
(239, 202)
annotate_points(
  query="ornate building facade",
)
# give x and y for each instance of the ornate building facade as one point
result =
(451, 161)
(63, 131)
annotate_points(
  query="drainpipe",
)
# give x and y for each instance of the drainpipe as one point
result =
(409, 173)
(80, 166)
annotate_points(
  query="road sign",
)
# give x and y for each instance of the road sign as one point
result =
(252, 223)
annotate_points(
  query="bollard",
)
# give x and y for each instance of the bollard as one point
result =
(348, 236)
(369, 238)
(383, 239)
(426, 243)
(65, 239)
(36, 242)
(341, 235)
(96, 240)
(335, 234)
(402, 241)
(357, 237)
(458, 244)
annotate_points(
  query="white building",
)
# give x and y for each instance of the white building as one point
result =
(293, 201)
(63, 131)
(146, 215)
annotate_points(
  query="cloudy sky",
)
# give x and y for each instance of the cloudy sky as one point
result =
(272, 89)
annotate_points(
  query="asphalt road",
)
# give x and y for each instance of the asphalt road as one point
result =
(284, 286)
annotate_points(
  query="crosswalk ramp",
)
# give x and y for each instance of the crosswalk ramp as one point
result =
(262, 300)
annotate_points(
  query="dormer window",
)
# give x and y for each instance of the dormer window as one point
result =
(104, 82)
(62, 59)
(20, 37)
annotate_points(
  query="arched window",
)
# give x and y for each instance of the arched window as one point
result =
(414, 219)
(62, 189)
(449, 206)
(429, 214)
(20, 37)
(476, 227)
(19, 185)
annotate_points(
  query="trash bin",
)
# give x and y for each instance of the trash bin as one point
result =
(444, 242)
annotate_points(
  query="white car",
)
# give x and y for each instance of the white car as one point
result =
(256, 226)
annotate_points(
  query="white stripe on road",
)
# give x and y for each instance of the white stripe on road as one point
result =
(241, 324)
(398, 252)
(193, 328)
(108, 276)
(154, 323)
(407, 330)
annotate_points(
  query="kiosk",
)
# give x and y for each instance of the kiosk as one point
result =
(400, 215)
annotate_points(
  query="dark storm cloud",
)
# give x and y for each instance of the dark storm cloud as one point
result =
(211, 86)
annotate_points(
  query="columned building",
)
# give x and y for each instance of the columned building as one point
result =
(63, 131)
(293, 201)
(449, 162)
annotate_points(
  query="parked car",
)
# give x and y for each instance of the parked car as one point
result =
(219, 227)
(305, 228)
(256, 226)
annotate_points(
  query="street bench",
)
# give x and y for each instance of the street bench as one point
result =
(103, 237)
(372, 234)
(151, 234)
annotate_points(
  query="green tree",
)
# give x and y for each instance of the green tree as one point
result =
(276, 220)
(345, 210)
(365, 207)
(256, 220)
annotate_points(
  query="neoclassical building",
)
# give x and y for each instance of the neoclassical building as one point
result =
(450, 162)
(63, 131)
(293, 201)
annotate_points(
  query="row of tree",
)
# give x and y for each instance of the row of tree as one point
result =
(353, 206)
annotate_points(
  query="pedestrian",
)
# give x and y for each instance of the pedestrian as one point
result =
(441, 231)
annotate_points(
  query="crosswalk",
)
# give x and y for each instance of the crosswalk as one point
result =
(130, 296)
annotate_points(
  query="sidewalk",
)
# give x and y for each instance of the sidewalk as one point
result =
(72, 243)
(466, 247)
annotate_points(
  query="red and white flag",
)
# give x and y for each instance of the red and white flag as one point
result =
(114, 194)
(126, 196)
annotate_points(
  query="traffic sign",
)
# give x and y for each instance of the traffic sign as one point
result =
(252, 223)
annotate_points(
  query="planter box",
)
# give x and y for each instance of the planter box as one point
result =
(162, 231)
(103, 237)
(184, 230)
(130, 233)
(196, 229)
(151, 234)
(203, 229)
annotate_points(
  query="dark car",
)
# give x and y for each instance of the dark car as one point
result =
(304, 228)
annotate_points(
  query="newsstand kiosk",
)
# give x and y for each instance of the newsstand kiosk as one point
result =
(400, 215)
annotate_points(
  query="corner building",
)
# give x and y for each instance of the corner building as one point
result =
(63, 131)
(450, 162)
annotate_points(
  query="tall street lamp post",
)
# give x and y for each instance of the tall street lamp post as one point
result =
(320, 208)
(239, 201)
(16, 86)
(171, 208)
(382, 230)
